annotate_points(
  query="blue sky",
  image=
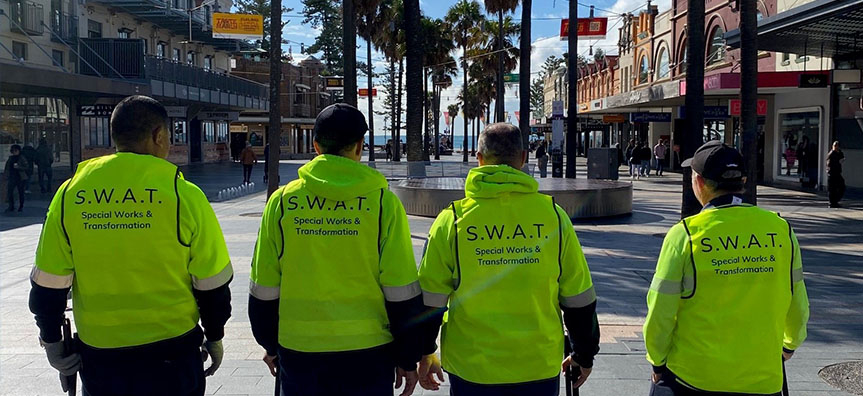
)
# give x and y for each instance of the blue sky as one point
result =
(544, 37)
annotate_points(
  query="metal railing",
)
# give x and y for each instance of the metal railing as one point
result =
(116, 58)
(28, 15)
(65, 26)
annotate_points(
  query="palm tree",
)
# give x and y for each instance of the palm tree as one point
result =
(367, 28)
(463, 16)
(439, 62)
(390, 39)
(491, 66)
(500, 7)
(694, 100)
(749, 94)
(349, 38)
(572, 109)
(453, 109)
(524, 73)
(415, 92)
(274, 132)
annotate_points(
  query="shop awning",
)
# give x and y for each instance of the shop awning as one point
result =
(832, 28)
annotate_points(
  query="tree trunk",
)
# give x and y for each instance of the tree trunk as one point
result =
(275, 129)
(749, 95)
(572, 107)
(415, 93)
(398, 121)
(524, 75)
(693, 137)
(499, 105)
(391, 96)
(473, 137)
(370, 72)
(464, 97)
(436, 121)
(349, 37)
(426, 123)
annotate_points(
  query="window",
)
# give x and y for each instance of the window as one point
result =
(19, 49)
(716, 46)
(209, 130)
(190, 58)
(662, 69)
(208, 62)
(222, 131)
(794, 127)
(786, 59)
(94, 29)
(180, 136)
(176, 56)
(758, 15)
(643, 70)
(58, 57)
(684, 57)
(97, 130)
(160, 49)
(124, 33)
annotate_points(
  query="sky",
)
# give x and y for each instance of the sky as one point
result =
(546, 19)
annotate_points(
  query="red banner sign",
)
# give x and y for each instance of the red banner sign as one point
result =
(588, 28)
(517, 118)
(734, 106)
(365, 92)
(446, 118)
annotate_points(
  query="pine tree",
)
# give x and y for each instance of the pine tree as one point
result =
(537, 97)
(326, 16)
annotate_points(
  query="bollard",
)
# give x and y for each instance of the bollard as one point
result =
(219, 196)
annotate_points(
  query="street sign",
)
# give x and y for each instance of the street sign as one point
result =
(510, 78)
(650, 117)
(219, 115)
(734, 106)
(99, 110)
(365, 92)
(808, 80)
(238, 26)
(588, 28)
(710, 112)
(176, 111)
(557, 108)
(334, 83)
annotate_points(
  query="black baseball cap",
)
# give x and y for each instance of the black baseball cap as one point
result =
(340, 125)
(718, 162)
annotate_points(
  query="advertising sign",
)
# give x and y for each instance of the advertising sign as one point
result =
(734, 107)
(588, 28)
(650, 117)
(238, 26)
(99, 110)
(219, 115)
(334, 83)
(365, 92)
(557, 108)
(176, 111)
(710, 112)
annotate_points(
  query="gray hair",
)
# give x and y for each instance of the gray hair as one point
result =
(501, 144)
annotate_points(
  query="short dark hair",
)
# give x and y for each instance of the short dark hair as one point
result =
(15, 147)
(501, 144)
(135, 118)
(725, 187)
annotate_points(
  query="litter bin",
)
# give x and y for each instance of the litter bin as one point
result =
(602, 163)
(556, 163)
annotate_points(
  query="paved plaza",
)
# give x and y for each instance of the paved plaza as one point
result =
(621, 253)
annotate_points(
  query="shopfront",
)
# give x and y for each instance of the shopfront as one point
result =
(34, 122)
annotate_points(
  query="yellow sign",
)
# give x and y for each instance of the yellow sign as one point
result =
(238, 26)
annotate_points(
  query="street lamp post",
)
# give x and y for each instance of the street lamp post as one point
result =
(191, 11)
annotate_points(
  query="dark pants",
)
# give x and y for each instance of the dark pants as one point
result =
(670, 385)
(660, 166)
(835, 188)
(460, 387)
(367, 372)
(247, 173)
(543, 166)
(46, 173)
(11, 185)
(166, 368)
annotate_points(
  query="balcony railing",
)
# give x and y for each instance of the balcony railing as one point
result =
(302, 110)
(127, 59)
(28, 16)
(65, 25)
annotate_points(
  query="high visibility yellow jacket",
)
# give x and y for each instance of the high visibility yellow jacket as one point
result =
(727, 297)
(333, 246)
(504, 260)
(132, 238)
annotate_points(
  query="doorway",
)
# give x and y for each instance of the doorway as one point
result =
(195, 140)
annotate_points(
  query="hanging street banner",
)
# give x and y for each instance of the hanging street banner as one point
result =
(588, 28)
(510, 78)
(365, 92)
(517, 117)
(446, 118)
(238, 26)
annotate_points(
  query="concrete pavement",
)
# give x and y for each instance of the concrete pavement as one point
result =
(621, 253)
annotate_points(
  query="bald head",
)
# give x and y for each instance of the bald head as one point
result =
(501, 144)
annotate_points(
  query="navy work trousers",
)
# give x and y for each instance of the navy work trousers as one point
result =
(670, 385)
(548, 387)
(367, 372)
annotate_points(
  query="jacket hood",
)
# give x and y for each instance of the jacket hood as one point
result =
(491, 181)
(340, 178)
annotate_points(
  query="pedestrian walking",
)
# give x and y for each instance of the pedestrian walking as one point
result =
(266, 162)
(248, 158)
(542, 158)
(389, 148)
(505, 261)
(630, 148)
(620, 156)
(145, 259)
(16, 177)
(835, 181)
(728, 298)
(45, 161)
(644, 155)
(659, 152)
(29, 153)
(340, 286)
